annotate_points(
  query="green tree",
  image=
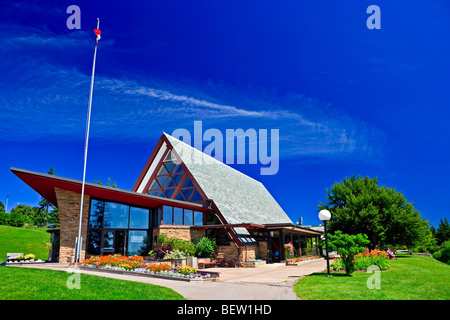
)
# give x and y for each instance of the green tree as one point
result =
(347, 246)
(442, 233)
(2, 207)
(359, 205)
(109, 184)
(44, 205)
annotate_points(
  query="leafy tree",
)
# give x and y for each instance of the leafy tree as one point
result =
(347, 246)
(53, 218)
(109, 184)
(359, 205)
(2, 207)
(16, 219)
(442, 233)
(44, 204)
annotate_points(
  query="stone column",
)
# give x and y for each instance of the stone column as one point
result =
(69, 216)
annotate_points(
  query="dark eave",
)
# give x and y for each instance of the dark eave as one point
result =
(285, 226)
(45, 185)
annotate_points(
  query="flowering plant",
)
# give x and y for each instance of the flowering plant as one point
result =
(137, 264)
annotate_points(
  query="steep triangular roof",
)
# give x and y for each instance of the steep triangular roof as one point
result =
(239, 198)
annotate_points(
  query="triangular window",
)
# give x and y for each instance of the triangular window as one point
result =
(169, 156)
(166, 183)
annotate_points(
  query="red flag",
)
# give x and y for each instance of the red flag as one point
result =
(97, 32)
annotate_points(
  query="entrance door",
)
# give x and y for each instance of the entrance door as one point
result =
(114, 242)
(120, 242)
(277, 253)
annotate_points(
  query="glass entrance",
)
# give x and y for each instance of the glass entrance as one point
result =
(114, 242)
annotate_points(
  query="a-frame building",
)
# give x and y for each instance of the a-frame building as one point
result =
(183, 193)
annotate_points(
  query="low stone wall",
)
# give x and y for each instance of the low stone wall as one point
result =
(253, 264)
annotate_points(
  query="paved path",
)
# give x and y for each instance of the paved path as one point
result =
(270, 282)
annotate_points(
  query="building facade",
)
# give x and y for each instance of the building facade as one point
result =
(182, 193)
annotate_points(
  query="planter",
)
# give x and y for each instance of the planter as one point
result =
(213, 276)
(299, 261)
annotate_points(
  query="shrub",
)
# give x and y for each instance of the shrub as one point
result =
(443, 254)
(16, 220)
(337, 265)
(348, 246)
(30, 256)
(184, 246)
(4, 218)
(176, 254)
(165, 245)
(204, 247)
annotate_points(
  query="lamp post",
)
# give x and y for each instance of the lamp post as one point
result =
(325, 215)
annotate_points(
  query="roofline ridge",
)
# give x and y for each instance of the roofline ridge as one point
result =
(220, 162)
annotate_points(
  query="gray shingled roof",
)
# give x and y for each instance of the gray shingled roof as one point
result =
(239, 198)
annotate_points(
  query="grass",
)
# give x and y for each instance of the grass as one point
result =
(37, 284)
(410, 278)
(23, 240)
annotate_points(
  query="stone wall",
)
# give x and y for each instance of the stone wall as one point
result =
(179, 232)
(228, 253)
(69, 216)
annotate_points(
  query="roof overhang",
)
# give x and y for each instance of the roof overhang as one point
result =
(45, 185)
(290, 227)
(286, 227)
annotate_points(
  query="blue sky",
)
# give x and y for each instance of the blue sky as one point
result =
(346, 100)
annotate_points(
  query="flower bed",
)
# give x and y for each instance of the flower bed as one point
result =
(136, 265)
(363, 260)
(300, 260)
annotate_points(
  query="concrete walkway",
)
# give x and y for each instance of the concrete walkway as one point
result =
(270, 282)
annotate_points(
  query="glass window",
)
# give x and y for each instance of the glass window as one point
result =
(159, 217)
(162, 171)
(179, 196)
(108, 242)
(161, 180)
(169, 156)
(187, 193)
(187, 183)
(198, 218)
(94, 238)
(188, 217)
(169, 192)
(139, 218)
(196, 197)
(96, 214)
(169, 183)
(169, 166)
(154, 192)
(167, 215)
(177, 216)
(178, 168)
(137, 243)
(177, 177)
(153, 185)
(115, 215)
(211, 218)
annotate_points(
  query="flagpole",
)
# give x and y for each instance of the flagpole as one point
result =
(78, 246)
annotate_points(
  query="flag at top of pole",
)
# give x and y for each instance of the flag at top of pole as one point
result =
(79, 239)
(97, 32)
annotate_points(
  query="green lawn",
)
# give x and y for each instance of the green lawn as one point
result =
(23, 240)
(410, 278)
(38, 284)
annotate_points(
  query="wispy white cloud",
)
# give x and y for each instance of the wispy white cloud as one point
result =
(50, 100)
